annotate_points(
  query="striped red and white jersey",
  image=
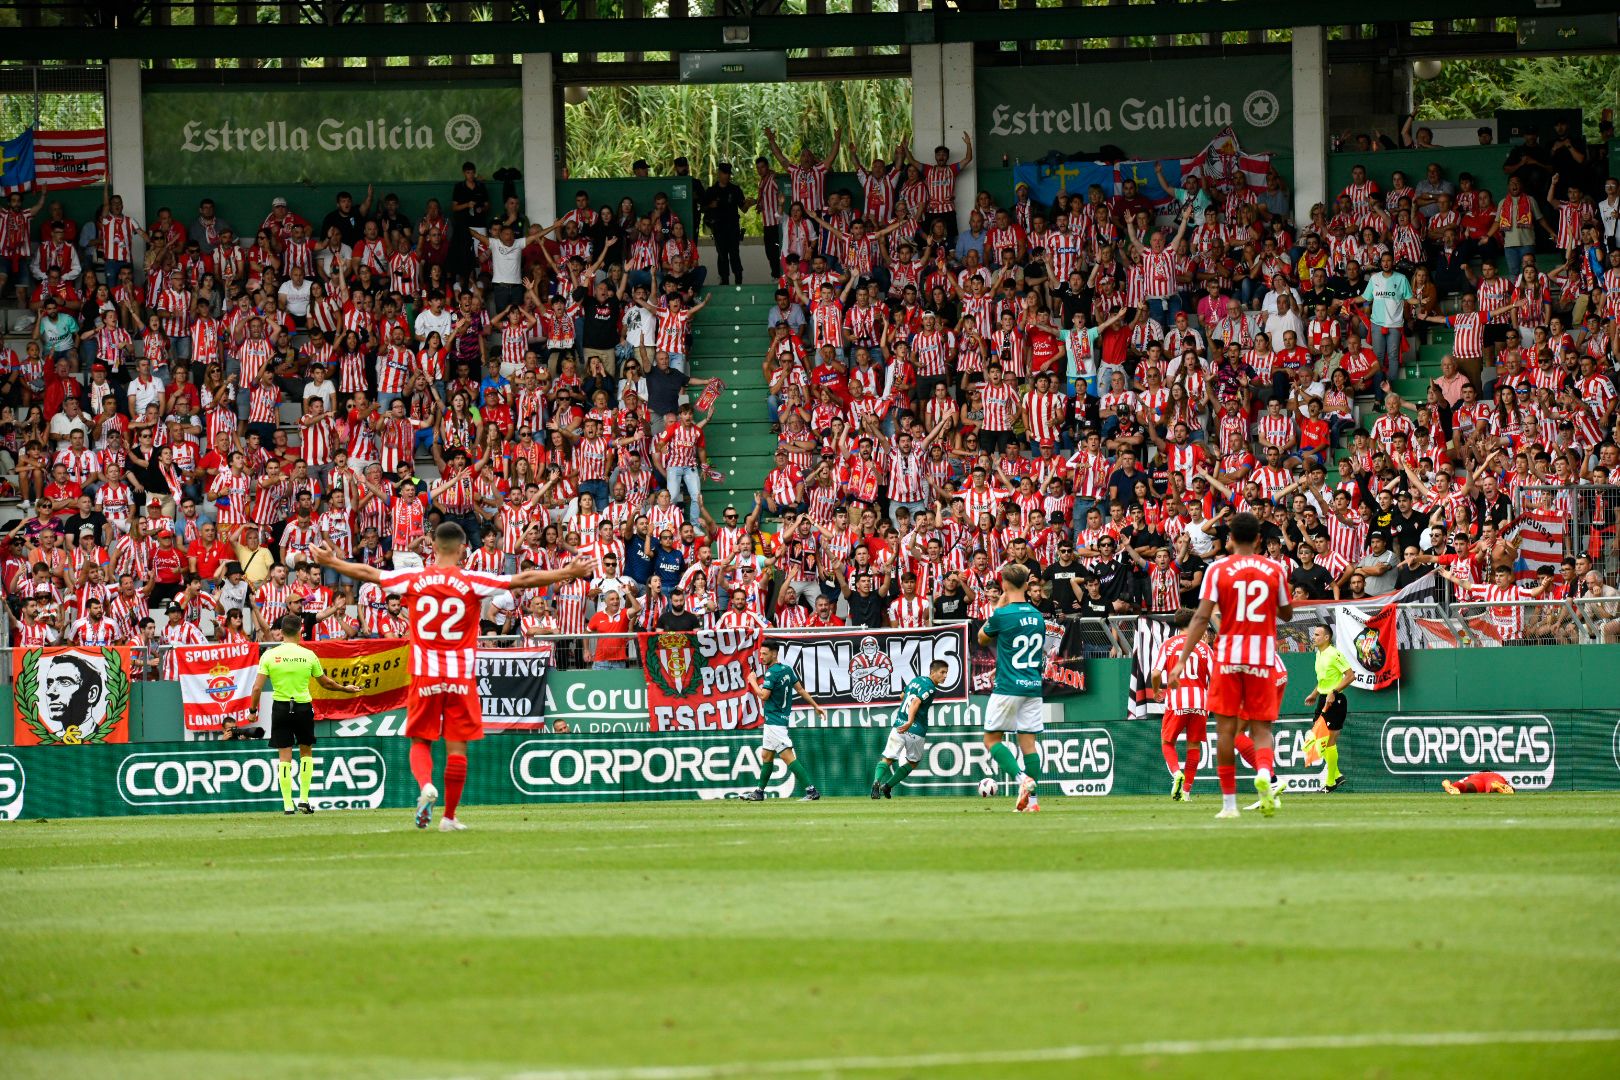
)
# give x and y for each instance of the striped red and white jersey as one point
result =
(878, 194)
(672, 330)
(1248, 590)
(909, 614)
(1347, 541)
(1507, 621)
(442, 603)
(117, 235)
(770, 200)
(1159, 274)
(808, 186)
(732, 619)
(1190, 694)
(319, 441)
(680, 443)
(941, 185)
(1000, 401)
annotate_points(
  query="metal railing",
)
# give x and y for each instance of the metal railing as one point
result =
(1584, 620)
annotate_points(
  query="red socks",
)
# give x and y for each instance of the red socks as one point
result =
(455, 776)
(1264, 762)
(1245, 749)
(1190, 769)
(422, 762)
(1170, 758)
(1227, 775)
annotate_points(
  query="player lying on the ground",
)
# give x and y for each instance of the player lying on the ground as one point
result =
(1480, 783)
(442, 602)
(909, 733)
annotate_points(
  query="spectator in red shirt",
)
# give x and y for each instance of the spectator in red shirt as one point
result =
(612, 651)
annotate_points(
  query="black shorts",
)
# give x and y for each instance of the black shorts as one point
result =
(1332, 715)
(292, 723)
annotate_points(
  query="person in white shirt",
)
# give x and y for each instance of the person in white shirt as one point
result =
(506, 267)
(435, 319)
(294, 295)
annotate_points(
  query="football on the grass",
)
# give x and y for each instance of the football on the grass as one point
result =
(987, 788)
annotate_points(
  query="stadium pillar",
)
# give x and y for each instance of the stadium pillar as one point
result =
(540, 135)
(1310, 119)
(126, 141)
(942, 107)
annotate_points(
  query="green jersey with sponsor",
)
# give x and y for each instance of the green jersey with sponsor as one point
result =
(922, 690)
(779, 682)
(290, 668)
(1020, 633)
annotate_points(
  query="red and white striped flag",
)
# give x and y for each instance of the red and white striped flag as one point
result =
(69, 159)
(1224, 164)
(1541, 536)
(66, 159)
(216, 683)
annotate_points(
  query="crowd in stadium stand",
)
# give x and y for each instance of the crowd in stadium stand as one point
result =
(1092, 388)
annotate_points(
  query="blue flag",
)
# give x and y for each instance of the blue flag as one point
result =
(17, 161)
(1047, 182)
(1147, 182)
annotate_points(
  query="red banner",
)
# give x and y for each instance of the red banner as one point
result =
(70, 696)
(380, 667)
(698, 680)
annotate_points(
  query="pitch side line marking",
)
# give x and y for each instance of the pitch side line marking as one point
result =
(1175, 1048)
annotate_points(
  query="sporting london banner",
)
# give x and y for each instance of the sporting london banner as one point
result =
(1558, 751)
(697, 680)
(380, 667)
(1150, 109)
(329, 134)
(70, 696)
(216, 683)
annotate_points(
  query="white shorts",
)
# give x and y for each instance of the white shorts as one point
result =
(904, 746)
(1024, 715)
(775, 738)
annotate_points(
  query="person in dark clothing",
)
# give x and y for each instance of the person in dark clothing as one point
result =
(677, 616)
(348, 219)
(469, 207)
(724, 203)
(866, 604)
(1065, 579)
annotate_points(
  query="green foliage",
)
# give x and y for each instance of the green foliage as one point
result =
(714, 123)
(1478, 87)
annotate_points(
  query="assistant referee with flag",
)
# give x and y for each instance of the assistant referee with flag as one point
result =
(290, 668)
(1333, 675)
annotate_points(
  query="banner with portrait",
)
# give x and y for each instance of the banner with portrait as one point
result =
(70, 696)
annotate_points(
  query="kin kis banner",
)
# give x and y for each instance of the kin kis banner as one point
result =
(698, 680)
(1386, 753)
(1150, 109)
(329, 134)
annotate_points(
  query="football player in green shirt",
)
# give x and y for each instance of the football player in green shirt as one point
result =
(1333, 674)
(776, 689)
(904, 750)
(1018, 631)
(290, 668)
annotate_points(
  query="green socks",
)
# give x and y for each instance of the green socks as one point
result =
(284, 771)
(1330, 754)
(306, 769)
(900, 774)
(1006, 759)
(880, 775)
(801, 775)
(1032, 765)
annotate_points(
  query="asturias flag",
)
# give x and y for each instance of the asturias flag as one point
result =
(17, 162)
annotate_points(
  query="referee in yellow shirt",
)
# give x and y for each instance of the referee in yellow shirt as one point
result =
(290, 668)
(1333, 674)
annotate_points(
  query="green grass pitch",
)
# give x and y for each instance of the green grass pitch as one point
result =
(1376, 936)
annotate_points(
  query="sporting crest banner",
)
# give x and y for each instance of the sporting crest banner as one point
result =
(216, 683)
(698, 680)
(380, 667)
(70, 696)
(1370, 641)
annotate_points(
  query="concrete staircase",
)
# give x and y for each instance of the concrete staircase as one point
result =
(728, 342)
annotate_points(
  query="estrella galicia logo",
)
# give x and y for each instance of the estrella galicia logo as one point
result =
(463, 131)
(345, 778)
(11, 788)
(1261, 108)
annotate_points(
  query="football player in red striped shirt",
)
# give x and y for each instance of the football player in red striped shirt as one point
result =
(1245, 688)
(443, 603)
(1186, 706)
